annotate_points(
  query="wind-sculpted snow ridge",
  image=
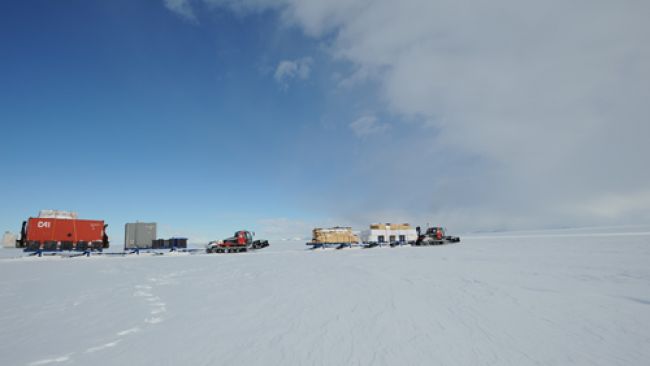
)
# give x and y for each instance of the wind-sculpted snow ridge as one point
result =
(582, 300)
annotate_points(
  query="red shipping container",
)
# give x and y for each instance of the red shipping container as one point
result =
(64, 230)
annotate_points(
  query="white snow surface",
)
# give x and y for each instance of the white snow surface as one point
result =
(557, 299)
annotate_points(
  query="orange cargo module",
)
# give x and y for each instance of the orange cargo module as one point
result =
(63, 234)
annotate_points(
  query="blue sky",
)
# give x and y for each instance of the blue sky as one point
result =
(124, 111)
(208, 116)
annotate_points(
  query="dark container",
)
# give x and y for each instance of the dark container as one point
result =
(178, 243)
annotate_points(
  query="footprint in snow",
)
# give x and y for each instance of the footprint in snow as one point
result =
(142, 294)
(154, 320)
(103, 346)
(158, 311)
(52, 360)
(128, 331)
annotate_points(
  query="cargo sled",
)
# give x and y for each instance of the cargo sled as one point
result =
(334, 237)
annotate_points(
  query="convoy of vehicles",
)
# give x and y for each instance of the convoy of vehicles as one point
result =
(60, 231)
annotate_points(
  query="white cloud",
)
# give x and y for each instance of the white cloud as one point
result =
(182, 8)
(367, 125)
(548, 100)
(293, 69)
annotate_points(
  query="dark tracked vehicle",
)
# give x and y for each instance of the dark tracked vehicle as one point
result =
(435, 236)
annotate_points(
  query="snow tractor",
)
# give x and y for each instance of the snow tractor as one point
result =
(242, 241)
(434, 236)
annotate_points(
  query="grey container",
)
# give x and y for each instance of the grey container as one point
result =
(9, 240)
(139, 235)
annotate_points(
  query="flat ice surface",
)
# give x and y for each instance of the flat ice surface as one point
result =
(525, 299)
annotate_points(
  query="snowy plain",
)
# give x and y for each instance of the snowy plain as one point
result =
(545, 298)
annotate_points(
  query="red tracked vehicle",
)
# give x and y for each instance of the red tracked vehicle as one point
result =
(242, 241)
